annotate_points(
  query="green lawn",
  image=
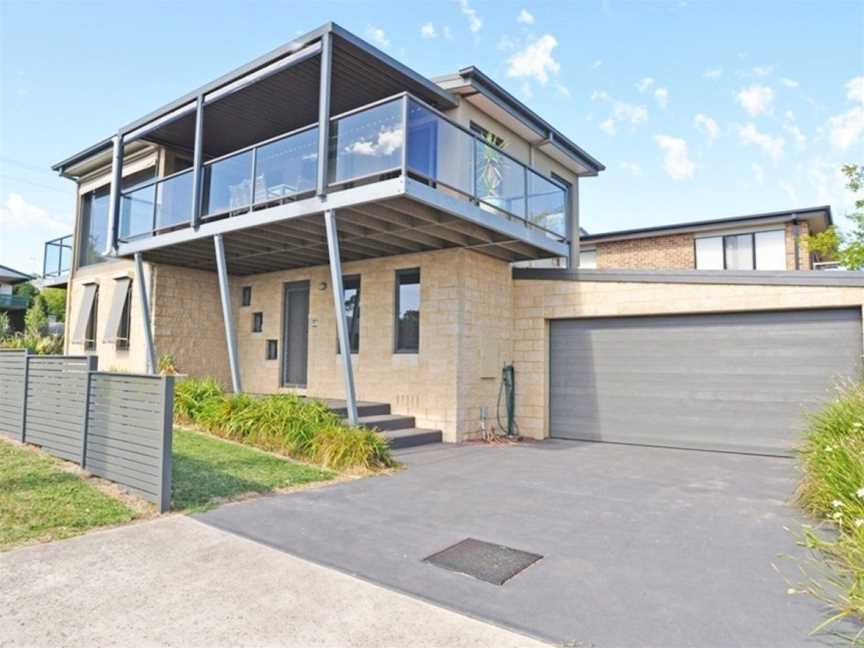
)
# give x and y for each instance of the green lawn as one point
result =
(39, 501)
(208, 470)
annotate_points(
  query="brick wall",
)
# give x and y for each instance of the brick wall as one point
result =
(656, 253)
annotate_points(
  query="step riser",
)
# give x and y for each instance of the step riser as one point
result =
(400, 423)
(422, 438)
(379, 409)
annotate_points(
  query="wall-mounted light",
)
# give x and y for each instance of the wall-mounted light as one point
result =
(322, 285)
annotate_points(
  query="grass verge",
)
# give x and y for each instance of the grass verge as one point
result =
(832, 489)
(208, 471)
(303, 429)
(40, 501)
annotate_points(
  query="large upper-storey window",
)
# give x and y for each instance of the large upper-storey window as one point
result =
(750, 251)
(94, 218)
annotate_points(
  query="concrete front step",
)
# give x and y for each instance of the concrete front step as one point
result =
(383, 422)
(411, 437)
(364, 408)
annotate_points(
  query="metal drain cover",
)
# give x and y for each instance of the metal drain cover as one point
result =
(485, 561)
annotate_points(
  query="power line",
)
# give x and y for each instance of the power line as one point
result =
(35, 184)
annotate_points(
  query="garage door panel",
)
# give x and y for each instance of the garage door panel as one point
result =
(739, 381)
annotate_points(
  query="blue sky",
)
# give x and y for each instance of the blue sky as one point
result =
(698, 109)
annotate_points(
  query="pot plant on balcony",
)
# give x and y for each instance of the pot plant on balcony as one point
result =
(490, 174)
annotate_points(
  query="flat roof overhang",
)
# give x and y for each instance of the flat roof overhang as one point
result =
(387, 218)
(275, 93)
(818, 219)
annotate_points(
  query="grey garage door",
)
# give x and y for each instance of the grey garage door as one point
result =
(738, 381)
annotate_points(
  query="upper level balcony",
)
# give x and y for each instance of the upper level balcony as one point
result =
(466, 192)
(325, 123)
(57, 261)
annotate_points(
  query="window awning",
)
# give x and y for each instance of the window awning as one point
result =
(84, 313)
(118, 301)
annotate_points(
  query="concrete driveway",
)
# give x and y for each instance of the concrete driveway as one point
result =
(642, 546)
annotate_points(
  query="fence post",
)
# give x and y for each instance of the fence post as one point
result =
(26, 380)
(92, 365)
(167, 441)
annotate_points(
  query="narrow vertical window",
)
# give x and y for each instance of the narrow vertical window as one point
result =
(257, 322)
(351, 303)
(246, 296)
(124, 327)
(272, 350)
(408, 311)
(90, 331)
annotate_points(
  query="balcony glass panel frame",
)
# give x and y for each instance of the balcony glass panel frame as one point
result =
(397, 135)
(57, 260)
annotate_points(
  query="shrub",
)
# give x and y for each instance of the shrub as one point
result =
(832, 488)
(41, 344)
(5, 324)
(301, 428)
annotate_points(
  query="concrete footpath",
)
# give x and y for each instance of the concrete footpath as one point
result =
(177, 582)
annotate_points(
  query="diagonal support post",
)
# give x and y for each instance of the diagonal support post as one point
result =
(145, 313)
(227, 313)
(341, 319)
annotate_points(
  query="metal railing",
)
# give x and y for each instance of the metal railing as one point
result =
(57, 259)
(9, 301)
(393, 136)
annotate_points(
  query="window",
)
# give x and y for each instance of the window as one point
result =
(247, 296)
(118, 325)
(94, 218)
(751, 251)
(257, 322)
(486, 135)
(90, 331)
(407, 311)
(351, 301)
(272, 350)
(709, 253)
(771, 250)
(588, 259)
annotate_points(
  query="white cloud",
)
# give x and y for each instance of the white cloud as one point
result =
(758, 172)
(377, 36)
(661, 96)
(645, 84)
(621, 112)
(789, 189)
(506, 43)
(535, 60)
(475, 22)
(676, 161)
(846, 129)
(633, 167)
(608, 126)
(446, 33)
(797, 134)
(772, 146)
(762, 70)
(525, 18)
(596, 64)
(428, 31)
(789, 83)
(18, 214)
(757, 99)
(562, 90)
(708, 125)
(713, 73)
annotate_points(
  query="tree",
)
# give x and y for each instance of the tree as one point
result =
(36, 318)
(834, 245)
(55, 301)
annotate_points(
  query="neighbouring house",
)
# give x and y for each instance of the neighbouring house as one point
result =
(13, 305)
(326, 197)
(772, 241)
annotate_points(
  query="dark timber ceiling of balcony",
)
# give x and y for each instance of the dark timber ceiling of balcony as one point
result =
(397, 226)
(288, 100)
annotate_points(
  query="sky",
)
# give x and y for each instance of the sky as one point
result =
(698, 109)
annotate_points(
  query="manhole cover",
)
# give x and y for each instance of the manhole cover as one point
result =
(488, 562)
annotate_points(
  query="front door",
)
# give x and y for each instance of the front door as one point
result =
(295, 343)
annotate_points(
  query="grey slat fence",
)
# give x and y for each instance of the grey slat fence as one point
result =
(117, 426)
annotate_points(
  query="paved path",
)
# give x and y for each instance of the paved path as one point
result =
(177, 582)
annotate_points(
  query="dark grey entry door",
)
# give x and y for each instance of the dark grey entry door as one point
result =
(734, 381)
(295, 343)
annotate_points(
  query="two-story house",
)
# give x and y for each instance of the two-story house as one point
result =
(326, 221)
